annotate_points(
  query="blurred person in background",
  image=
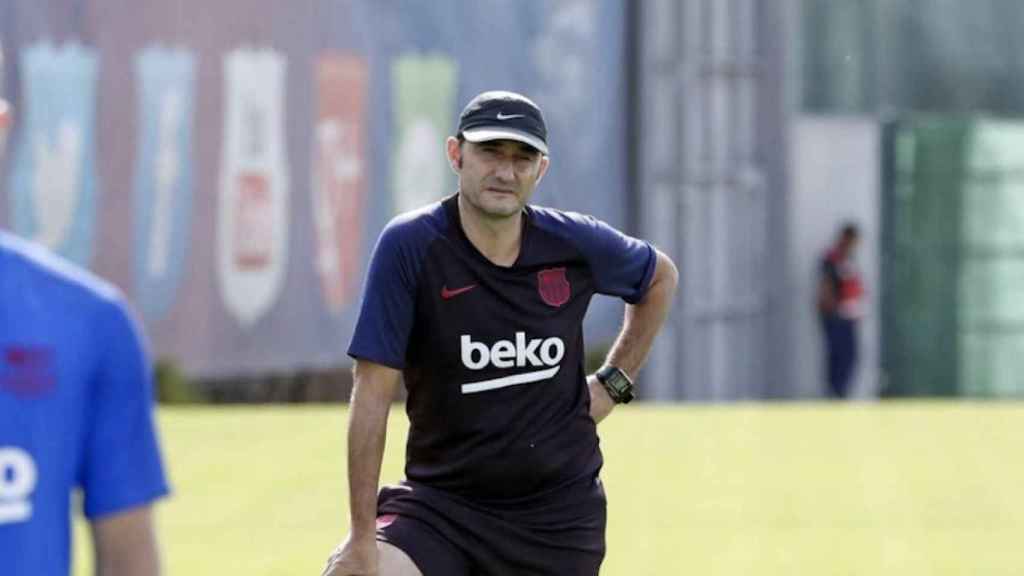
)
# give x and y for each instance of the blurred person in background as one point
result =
(840, 307)
(5, 109)
(5, 123)
(478, 302)
(76, 413)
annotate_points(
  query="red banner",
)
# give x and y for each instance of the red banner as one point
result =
(339, 175)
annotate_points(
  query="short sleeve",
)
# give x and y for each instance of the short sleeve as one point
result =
(622, 265)
(388, 309)
(121, 465)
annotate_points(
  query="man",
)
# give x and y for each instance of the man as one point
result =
(75, 411)
(478, 302)
(5, 122)
(840, 307)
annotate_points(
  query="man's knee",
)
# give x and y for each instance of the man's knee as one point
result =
(395, 562)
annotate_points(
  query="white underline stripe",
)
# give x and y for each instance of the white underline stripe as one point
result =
(512, 380)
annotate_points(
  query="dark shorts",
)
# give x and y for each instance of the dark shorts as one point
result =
(558, 534)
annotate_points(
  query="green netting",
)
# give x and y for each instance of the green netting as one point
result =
(953, 298)
(921, 259)
(992, 283)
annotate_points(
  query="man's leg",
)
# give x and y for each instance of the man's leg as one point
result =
(395, 562)
(833, 361)
(411, 547)
(845, 352)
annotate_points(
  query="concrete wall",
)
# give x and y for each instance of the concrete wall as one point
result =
(710, 179)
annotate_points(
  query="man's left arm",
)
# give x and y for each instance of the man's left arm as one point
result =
(642, 322)
(125, 544)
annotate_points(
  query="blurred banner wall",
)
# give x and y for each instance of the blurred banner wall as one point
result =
(229, 164)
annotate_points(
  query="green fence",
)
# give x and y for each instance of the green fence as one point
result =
(953, 257)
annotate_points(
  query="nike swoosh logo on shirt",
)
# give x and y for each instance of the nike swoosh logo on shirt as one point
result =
(513, 380)
(449, 294)
(509, 116)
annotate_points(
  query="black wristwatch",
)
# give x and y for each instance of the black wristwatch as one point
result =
(618, 385)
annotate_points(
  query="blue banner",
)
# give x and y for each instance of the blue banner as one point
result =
(53, 190)
(165, 84)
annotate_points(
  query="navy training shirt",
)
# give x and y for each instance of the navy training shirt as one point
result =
(492, 356)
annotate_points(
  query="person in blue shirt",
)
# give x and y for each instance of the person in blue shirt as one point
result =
(76, 413)
(477, 303)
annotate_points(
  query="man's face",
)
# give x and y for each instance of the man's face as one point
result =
(498, 177)
(849, 245)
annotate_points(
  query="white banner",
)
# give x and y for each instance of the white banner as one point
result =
(252, 227)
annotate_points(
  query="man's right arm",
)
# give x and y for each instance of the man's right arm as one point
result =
(375, 386)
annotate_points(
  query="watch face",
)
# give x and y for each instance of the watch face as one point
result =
(617, 384)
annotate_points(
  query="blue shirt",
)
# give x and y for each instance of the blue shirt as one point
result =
(75, 408)
(492, 356)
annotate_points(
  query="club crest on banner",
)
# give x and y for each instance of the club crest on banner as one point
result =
(53, 187)
(553, 286)
(165, 85)
(424, 108)
(339, 175)
(253, 206)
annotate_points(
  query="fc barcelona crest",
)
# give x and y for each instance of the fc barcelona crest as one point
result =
(553, 286)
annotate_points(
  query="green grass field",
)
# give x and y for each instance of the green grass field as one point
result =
(781, 489)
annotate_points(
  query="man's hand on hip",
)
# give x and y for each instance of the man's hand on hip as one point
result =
(601, 403)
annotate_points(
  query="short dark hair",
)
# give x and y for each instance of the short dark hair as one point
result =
(850, 230)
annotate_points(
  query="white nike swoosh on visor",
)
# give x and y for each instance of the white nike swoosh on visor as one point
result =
(512, 380)
(501, 116)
